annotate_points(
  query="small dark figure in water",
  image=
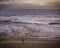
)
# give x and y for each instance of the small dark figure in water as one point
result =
(22, 40)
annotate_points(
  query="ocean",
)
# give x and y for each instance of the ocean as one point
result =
(18, 12)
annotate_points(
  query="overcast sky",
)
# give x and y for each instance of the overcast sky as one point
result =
(29, 1)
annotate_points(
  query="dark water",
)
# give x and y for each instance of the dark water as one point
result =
(18, 12)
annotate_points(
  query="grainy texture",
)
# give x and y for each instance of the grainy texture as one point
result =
(33, 29)
(30, 26)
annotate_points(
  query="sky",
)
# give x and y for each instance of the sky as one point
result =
(42, 2)
(30, 2)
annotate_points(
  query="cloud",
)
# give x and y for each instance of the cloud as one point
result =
(34, 2)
